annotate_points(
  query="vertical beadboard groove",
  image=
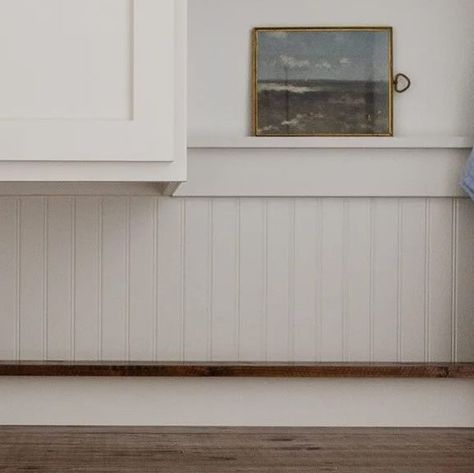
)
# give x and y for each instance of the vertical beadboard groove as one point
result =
(182, 264)
(319, 291)
(72, 335)
(156, 260)
(45, 278)
(238, 262)
(197, 269)
(131, 59)
(385, 279)
(251, 284)
(8, 265)
(413, 280)
(291, 280)
(454, 288)
(210, 281)
(222, 273)
(399, 280)
(84, 275)
(372, 264)
(333, 284)
(141, 254)
(100, 272)
(321, 283)
(439, 281)
(265, 280)
(344, 285)
(427, 351)
(127, 277)
(169, 274)
(18, 279)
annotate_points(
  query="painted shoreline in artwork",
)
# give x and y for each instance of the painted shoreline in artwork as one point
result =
(322, 107)
(320, 82)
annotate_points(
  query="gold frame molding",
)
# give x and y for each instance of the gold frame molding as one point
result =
(255, 33)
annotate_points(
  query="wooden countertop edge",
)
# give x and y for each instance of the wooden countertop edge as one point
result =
(231, 369)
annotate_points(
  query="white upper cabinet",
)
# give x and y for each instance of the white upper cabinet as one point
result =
(93, 82)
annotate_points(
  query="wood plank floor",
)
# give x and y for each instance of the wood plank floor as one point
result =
(229, 450)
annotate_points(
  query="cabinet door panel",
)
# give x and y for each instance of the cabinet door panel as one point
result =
(65, 60)
(90, 80)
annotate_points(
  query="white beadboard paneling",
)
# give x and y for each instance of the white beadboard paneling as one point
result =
(413, 234)
(60, 274)
(357, 280)
(33, 278)
(143, 278)
(464, 282)
(332, 279)
(438, 329)
(252, 281)
(9, 226)
(170, 279)
(115, 259)
(225, 279)
(385, 280)
(142, 283)
(198, 276)
(306, 274)
(279, 264)
(88, 278)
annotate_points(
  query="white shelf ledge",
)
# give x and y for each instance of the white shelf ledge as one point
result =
(447, 142)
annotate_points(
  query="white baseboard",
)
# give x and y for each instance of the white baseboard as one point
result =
(236, 402)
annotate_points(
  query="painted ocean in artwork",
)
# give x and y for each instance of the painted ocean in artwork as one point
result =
(322, 83)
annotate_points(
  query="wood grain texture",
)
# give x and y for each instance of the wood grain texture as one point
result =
(217, 450)
(257, 370)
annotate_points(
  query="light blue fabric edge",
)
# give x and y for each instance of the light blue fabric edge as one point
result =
(468, 180)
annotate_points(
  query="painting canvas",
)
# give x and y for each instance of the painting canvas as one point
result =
(323, 81)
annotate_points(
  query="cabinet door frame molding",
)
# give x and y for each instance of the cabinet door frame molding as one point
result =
(153, 132)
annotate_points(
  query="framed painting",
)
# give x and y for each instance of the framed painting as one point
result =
(328, 81)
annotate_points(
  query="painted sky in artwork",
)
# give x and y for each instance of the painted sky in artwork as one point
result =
(323, 55)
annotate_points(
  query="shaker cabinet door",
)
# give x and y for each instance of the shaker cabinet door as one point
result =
(92, 80)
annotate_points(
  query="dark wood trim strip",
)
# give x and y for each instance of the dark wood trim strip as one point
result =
(257, 370)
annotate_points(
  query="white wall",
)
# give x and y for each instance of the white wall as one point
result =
(433, 44)
(237, 402)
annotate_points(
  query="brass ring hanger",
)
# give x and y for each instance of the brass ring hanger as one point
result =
(404, 80)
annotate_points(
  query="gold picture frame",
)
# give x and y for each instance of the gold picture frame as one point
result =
(381, 125)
